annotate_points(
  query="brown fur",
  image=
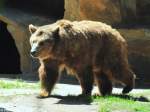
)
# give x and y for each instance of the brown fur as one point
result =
(90, 50)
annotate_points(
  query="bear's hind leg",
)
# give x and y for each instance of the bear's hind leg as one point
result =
(104, 83)
(86, 80)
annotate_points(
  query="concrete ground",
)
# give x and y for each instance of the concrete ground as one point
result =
(25, 100)
(64, 99)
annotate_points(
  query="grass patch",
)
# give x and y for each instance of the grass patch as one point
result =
(118, 104)
(17, 84)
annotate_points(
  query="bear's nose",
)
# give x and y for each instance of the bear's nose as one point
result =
(33, 53)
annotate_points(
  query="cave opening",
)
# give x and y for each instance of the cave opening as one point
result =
(50, 8)
(9, 56)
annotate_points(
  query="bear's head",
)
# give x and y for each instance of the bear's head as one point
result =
(42, 40)
(45, 38)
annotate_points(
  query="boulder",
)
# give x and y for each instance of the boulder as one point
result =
(101, 10)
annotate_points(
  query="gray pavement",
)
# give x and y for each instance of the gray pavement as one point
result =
(24, 100)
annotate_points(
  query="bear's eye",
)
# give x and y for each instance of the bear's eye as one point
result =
(40, 33)
(41, 43)
(34, 41)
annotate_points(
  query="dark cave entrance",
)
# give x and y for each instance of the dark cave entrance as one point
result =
(9, 56)
(50, 8)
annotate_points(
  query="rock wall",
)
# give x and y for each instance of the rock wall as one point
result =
(72, 10)
(139, 52)
(100, 10)
(114, 12)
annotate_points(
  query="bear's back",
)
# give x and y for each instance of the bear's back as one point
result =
(88, 28)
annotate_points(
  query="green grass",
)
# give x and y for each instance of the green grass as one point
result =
(118, 104)
(17, 84)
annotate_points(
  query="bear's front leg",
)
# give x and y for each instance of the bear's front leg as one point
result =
(48, 74)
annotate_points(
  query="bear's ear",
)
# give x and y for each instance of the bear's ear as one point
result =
(32, 28)
(56, 34)
(66, 25)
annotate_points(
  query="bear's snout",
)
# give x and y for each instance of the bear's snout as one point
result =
(34, 50)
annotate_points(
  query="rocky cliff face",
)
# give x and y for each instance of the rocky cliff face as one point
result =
(114, 12)
(105, 11)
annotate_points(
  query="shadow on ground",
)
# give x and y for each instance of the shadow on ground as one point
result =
(73, 100)
(86, 100)
(4, 110)
(128, 97)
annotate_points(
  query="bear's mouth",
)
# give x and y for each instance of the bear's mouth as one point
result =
(34, 54)
(41, 51)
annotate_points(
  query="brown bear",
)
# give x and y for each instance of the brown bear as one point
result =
(92, 51)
